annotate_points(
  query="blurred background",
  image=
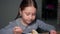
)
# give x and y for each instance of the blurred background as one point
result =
(48, 11)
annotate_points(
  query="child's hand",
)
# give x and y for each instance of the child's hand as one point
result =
(53, 32)
(17, 30)
(34, 32)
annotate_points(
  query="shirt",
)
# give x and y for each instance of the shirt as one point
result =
(38, 23)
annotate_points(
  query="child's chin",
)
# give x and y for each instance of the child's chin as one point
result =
(28, 22)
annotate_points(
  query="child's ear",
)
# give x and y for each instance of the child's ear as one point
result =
(20, 11)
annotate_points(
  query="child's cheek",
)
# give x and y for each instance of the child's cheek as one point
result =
(33, 18)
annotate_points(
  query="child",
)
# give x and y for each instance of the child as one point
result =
(26, 20)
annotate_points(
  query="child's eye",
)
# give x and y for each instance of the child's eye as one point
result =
(34, 14)
(27, 14)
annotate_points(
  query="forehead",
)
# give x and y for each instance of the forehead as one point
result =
(30, 9)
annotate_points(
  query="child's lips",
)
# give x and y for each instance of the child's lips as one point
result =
(29, 21)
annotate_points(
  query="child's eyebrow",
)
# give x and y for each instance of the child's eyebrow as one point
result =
(27, 12)
(30, 13)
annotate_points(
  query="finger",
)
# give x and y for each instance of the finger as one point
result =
(53, 32)
(17, 30)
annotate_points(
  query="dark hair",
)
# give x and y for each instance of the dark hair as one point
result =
(24, 4)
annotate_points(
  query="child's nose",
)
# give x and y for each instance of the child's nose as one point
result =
(30, 17)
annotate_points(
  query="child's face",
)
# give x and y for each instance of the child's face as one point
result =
(28, 14)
